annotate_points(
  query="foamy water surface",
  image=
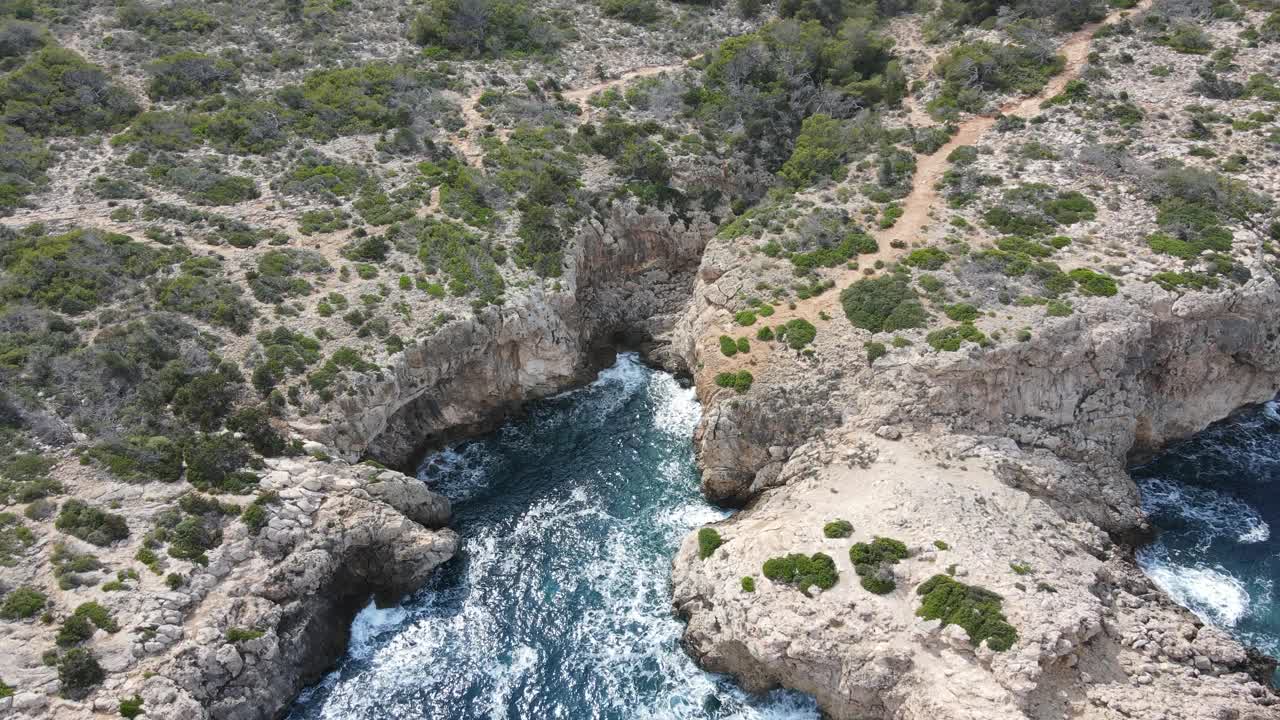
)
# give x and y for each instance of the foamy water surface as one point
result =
(1213, 497)
(559, 606)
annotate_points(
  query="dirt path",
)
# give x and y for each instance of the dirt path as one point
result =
(919, 204)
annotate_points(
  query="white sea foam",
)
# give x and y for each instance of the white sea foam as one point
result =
(1214, 594)
(1213, 513)
(370, 623)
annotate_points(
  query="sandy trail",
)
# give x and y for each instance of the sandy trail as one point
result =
(918, 205)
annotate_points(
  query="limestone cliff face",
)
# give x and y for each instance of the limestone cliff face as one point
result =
(629, 273)
(1012, 455)
(1123, 375)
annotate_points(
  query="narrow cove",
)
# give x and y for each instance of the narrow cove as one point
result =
(559, 604)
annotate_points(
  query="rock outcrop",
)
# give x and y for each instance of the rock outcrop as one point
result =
(630, 274)
(269, 613)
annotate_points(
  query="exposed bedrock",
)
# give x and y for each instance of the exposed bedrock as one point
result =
(629, 275)
(1121, 376)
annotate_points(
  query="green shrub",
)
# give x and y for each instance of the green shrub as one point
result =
(79, 626)
(708, 541)
(81, 520)
(977, 610)
(277, 275)
(941, 545)
(799, 333)
(744, 345)
(745, 318)
(76, 271)
(57, 93)
(873, 563)
(466, 259)
(728, 347)
(1093, 283)
(748, 584)
(802, 571)
(1057, 308)
(1187, 38)
(188, 74)
(78, 672)
(236, 635)
(740, 381)
(882, 304)
(140, 458)
(970, 69)
(949, 339)
(488, 27)
(875, 350)
(214, 462)
(837, 529)
(6, 690)
(131, 707)
(929, 258)
(961, 312)
(254, 426)
(205, 399)
(879, 550)
(764, 334)
(22, 602)
(820, 150)
(200, 292)
(15, 538)
(638, 12)
(23, 160)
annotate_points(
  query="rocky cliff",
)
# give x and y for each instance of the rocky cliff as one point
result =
(630, 273)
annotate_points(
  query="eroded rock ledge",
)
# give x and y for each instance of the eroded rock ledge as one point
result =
(1011, 456)
(631, 273)
(270, 612)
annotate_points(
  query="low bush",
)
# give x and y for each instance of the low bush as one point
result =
(236, 635)
(188, 74)
(79, 519)
(55, 92)
(22, 602)
(798, 333)
(961, 312)
(78, 672)
(803, 571)
(740, 381)
(638, 12)
(977, 610)
(708, 542)
(728, 347)
(140, 458)
(131, 707)
(837, 529)
(745, 318)
(1095, 283)
(485, 27)
(214, 463)
(875, 351)
(930, 258)
(748, 584)
(873, 563)
(883, 304)
(949, 339)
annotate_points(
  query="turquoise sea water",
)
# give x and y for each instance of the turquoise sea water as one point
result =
(559, 605)
(1215, 499)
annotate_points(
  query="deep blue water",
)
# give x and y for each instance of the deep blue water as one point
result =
(1215, 499)
(559, 605)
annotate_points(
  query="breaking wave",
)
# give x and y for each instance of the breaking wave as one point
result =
(1213, 500)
